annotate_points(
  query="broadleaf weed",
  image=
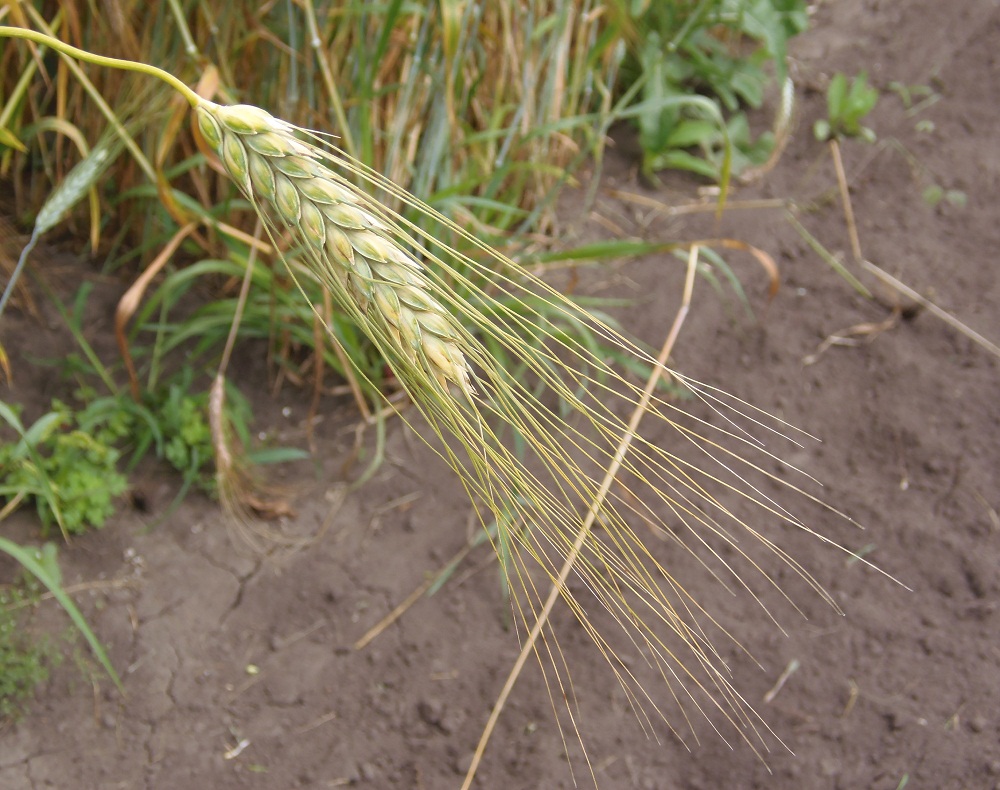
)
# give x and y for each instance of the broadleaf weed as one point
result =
(848, 103)
(71, 475)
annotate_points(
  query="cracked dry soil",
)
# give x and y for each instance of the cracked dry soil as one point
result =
(240, 673)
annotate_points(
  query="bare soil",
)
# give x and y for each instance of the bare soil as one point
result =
(240, 672)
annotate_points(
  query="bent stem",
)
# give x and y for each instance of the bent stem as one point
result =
(101, 60)
(586, 527)
(930, 306)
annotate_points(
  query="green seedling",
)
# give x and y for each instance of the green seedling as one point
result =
(911, 95)
(934, 194)
(915, 98)
(69, 474)
(847, 104)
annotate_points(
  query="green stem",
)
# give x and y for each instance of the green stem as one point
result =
(100, 60)
(96, 97)
(27, 75)
(686, 28)
(189, 46)
(827, 256)
(328, 81)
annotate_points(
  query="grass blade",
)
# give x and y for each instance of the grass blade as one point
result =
(30, 563)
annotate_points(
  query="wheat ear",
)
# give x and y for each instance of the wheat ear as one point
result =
(371, 276)
(359, 251)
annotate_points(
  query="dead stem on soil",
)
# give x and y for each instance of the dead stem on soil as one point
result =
(930, 306)
(853, 336)
(702, 207)
(883, 276)
(242, 493)
(422, 589)
(845, 198)
(77, 589)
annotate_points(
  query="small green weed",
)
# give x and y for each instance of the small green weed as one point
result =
(71, 475)
(915, 98)
(847, 104)
(934, 194)
(182, 433)
(71, 463)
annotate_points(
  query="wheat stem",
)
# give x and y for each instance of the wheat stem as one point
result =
(845, 197)
(101, 60)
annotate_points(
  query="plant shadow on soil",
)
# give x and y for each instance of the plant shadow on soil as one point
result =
(241, 673)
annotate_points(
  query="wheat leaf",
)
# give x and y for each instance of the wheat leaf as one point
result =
(76, 184)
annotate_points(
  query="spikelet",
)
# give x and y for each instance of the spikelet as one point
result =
(372, 277)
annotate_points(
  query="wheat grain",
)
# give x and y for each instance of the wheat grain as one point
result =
(372, 276)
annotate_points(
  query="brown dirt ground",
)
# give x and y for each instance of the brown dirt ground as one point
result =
(904, 690)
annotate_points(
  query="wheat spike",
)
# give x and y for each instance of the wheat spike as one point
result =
(589, 497)
(371, 275)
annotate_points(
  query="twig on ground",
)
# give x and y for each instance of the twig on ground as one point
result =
(845, 198)
(949, 319)
(851, 336)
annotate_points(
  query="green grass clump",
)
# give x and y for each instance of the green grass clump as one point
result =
(726, 52)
